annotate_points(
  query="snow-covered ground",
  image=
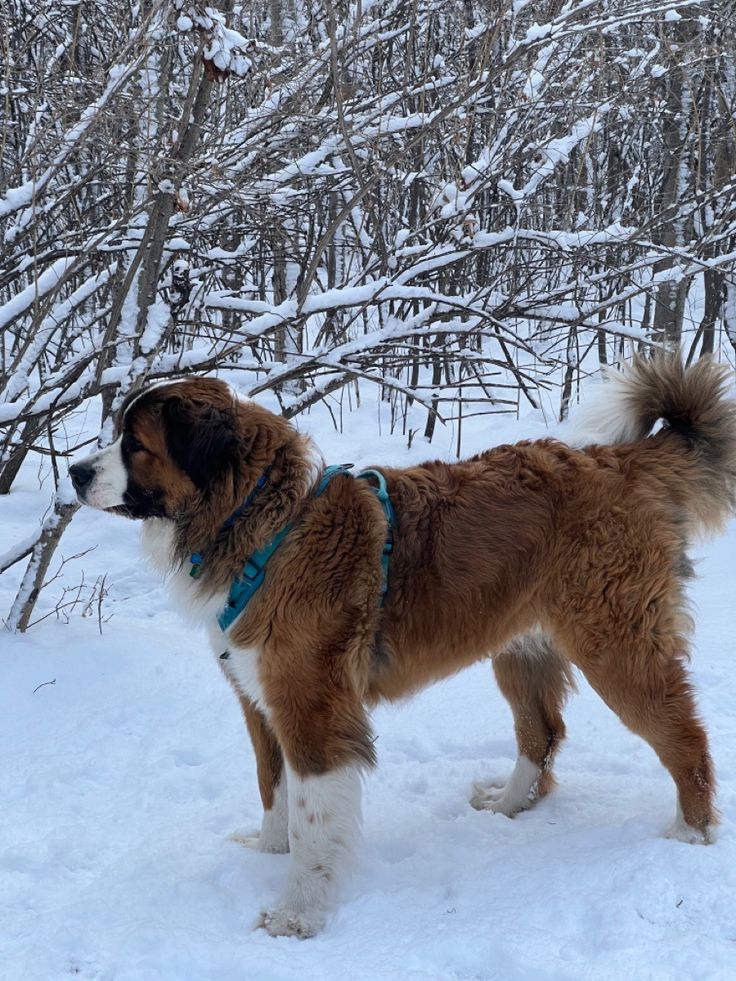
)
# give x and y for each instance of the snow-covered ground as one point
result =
(121, 781)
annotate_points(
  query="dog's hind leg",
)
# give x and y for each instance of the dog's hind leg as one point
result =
(536, 680)
(274, 833)
(656, 702)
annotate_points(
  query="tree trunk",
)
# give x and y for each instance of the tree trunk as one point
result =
(669, 305)
(17, 451)
(30, 588)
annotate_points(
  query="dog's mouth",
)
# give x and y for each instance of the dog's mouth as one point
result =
(121, 509)
(139, 503)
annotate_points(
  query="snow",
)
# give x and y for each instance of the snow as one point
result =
(35, 291)
(222, 42)
(157, 320)
(508, 188)
(537, 31)
(126, 765)
(19, 549)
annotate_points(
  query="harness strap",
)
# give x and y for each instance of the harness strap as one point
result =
(239, 512)
(381, 493)
(332, 471)
(196, 558)
(251, 578)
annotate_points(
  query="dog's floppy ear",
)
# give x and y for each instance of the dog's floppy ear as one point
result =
(201, 438)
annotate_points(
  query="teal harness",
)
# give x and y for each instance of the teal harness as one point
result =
(247, 583)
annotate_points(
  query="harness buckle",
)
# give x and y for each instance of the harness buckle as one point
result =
(251, 571)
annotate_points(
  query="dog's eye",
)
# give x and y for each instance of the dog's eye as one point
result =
(131, 444)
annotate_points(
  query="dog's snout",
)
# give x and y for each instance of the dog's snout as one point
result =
(81, 474)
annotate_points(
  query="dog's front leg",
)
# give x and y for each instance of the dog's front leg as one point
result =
(274, 833)
(324, 829)
(326, 744)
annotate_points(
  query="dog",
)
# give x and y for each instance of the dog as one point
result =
(538, 554)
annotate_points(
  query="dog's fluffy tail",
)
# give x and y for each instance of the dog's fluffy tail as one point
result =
(697, 411)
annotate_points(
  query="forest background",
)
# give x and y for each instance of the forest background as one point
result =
(449, 207)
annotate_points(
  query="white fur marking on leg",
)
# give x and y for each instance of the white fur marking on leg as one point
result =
(274, 834)
(682, 831)
(324, 828)
(514, 796)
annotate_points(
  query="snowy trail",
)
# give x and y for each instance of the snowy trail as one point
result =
(122, 780)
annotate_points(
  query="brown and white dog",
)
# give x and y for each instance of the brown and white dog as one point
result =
(539, 554)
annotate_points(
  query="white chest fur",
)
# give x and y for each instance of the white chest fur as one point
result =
(242, 664)
(242, 668)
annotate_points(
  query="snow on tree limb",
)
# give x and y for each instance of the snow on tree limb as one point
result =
(445, 198)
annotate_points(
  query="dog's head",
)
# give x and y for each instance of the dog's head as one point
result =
(178, 442)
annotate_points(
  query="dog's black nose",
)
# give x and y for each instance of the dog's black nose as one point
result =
(81, 474)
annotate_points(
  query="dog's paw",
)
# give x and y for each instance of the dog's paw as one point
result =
(517, 794)
(492, 797)
(284, 922)
(497, 798)
(689, 835)
(680, 830)
(259, 842)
